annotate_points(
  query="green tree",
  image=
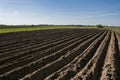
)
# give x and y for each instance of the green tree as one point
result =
(99, 26)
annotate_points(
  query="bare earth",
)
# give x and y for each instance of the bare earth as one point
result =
(66, 54)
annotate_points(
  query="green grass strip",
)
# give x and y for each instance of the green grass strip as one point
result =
(23, 29)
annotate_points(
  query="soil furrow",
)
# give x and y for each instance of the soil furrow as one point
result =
(64, 60)
(37, 63)
(65, 54)
(19, 45)
(92, 69)
(14, 39)
(33, 50)
(35, 45)
(35, 56)
(110, 68)
(71, 69)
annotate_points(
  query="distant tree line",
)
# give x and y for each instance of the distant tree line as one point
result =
(40, 25)
(48, 25)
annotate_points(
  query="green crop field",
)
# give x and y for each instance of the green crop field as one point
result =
(22, 29)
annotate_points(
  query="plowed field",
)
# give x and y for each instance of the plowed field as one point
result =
(66, 54)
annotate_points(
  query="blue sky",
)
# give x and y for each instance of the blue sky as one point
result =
(88, 12)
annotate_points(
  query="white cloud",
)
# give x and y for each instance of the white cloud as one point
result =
(17, 17)
(7, 14)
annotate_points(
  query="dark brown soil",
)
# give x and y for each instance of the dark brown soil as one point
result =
(66, 54)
